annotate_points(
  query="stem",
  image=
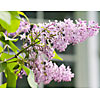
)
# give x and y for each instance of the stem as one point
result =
(8, 49)
(11, 58)
(26, 48)
(22, 51)
(17, 34)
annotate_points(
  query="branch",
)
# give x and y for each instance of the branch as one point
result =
(21, 51)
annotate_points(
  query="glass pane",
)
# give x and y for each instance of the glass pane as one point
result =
(30, 14)
(22, 83)
(99, 32)
(69, 50)
(58, 15)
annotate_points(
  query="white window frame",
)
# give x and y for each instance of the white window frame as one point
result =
(87, 57)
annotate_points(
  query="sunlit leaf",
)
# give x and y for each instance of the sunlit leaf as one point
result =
(11, 79)
(27, 70)
(11, 65)
(21, 13)
(1, 49)
(37, 41)
(5, 16)
(5, 56)
(56, 56)
(9, 20)
(8, 42)
(3, 85)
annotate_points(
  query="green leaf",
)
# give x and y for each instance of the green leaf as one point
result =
(27, 70)
(13, 47)
(11, 79)
(5, 16)
(31, 80)
(37, 41)
(1, 49)
(9, 20)
(3, 85)
(16, 66)
(30, 77)
(8, 42)
(5, 56)
(2, 29)
(21, 13)
(56, 56)
(3, 66)
(11, 65)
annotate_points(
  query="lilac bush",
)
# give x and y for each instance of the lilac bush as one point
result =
(38, 50)
(42, 39)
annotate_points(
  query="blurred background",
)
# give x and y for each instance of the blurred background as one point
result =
(83, 58)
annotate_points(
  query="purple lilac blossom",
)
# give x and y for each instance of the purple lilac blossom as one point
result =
(53, 35)
(46, 71)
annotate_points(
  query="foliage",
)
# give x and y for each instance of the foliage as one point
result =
(10, 21)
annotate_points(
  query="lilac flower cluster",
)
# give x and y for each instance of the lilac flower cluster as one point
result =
(48, 37)
(46, 71)
(65, 32)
